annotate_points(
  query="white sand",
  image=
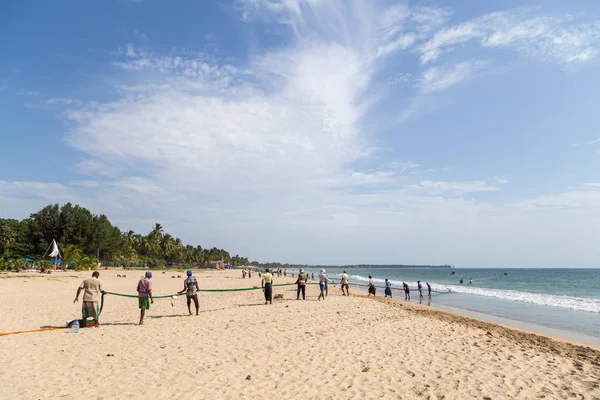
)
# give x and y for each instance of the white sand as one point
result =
(238, 348)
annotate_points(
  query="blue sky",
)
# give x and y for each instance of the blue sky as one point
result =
(313, 131)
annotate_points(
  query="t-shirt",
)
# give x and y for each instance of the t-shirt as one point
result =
(344, 279)
(371, 283)
(268, 277)
(420, 286)
(144, 287)
(190, 285)
(388, 284)
(91, 289)
(323, 277)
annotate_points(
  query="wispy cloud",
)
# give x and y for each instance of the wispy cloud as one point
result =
(64, 100)
(564, 40)
(3, 84)
(402, 77)
(501, 181)
(455, 188)
(139, 34)
(24, 92)
(440, 78)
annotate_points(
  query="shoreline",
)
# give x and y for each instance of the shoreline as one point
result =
(572, 337)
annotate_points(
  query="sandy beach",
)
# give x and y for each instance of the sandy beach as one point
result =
(239, 348)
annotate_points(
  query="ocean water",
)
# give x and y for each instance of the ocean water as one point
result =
(564, 302)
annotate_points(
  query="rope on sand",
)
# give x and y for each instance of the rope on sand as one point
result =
(30, 330)
(171, 296)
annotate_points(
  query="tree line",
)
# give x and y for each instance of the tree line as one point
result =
(86, 238)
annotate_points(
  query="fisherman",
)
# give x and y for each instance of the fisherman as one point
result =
(388, 288)
(91, 292)
(372, 288)
(267, 285)
(344, 283)
(190, 286)
(322, 284)
(301, 282)
(144, 289)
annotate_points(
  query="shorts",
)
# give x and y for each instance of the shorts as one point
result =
(345, 285)
(322, 286)
(192, 297)
(144, 303)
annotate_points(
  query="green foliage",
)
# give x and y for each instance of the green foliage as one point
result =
(86, 263)
(83, 236)
(71, 253)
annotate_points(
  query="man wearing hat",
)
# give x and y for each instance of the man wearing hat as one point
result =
(144, 289)
(190, 286)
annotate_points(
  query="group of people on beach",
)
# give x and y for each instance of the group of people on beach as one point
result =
(92, 289)
(372, 289)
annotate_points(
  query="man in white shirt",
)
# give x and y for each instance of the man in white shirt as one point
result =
(322, 284)
(344, 283)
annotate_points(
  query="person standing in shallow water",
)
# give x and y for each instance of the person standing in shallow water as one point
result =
(388, 288)
(301, 282)
(420, 287)
(406, 291)
(267, 285)
(428, 288)
(372, 288)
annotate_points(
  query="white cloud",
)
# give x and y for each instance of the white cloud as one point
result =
(94, 167)
(64, 100)
(454, 188)
(24, 92)
(402, 77)
(562, 40)
(139, 34)
(3, 84)
(439, 78)
(502, 181)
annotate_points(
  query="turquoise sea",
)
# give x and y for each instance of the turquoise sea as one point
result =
(564, 302)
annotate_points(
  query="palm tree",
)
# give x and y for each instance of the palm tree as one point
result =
(71, 253)
(157, 232)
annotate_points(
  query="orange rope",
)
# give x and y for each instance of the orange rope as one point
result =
(31, 330)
